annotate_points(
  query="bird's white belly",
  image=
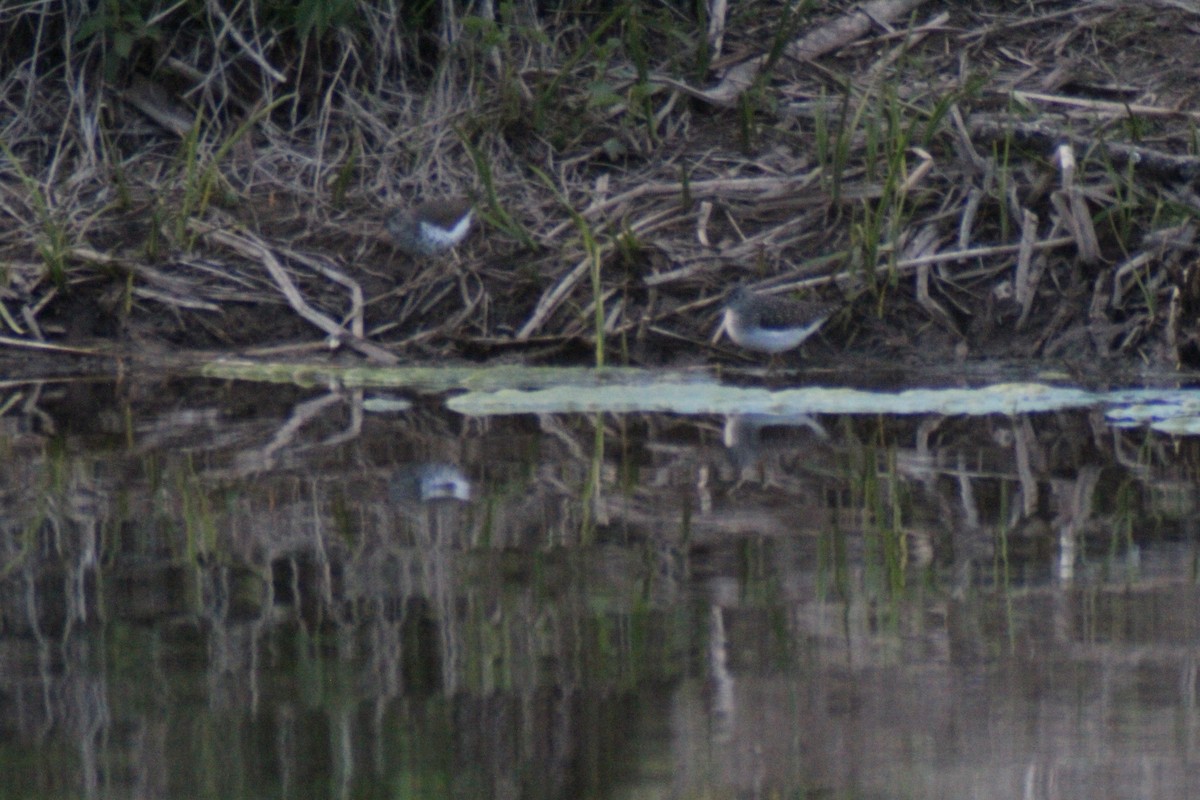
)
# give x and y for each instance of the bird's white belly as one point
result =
(767, 340)
(442, 237)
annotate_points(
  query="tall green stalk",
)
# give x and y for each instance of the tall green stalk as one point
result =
(53, 245)
(592, 249)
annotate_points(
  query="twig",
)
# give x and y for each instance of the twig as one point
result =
(255, 56)
(905, 265)
(716, 27)
(1046, 135)
(356, 293)
(825, 39)
(923, 242)
(1106, 106)
(252, 247)
(725, 188)
(156, 103)
(550, 300)
(53, 348)
(1023, 290)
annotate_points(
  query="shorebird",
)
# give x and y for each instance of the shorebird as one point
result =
(753, 439)
(431, 228)
(771, 324)
(428, 482)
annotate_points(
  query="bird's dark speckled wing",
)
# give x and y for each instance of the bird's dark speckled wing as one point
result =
(444, 213)
(784, 312)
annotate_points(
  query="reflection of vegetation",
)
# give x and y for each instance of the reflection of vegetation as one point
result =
(196, 512)
(592, 491)
(600, 559)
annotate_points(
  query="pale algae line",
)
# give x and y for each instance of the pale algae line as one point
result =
(1123, 407)
(516, 389)
(713, 398)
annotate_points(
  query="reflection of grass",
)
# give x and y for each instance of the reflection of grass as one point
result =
(593, 485)
(27, 539)
(881, 502)
(882, 507)
(1126, 518)
(47, 512)
(1002, 576)
(196, 514)
(833, 562)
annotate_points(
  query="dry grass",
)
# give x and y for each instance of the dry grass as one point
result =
(974, 179)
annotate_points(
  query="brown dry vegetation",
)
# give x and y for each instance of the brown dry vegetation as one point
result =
(975, 179)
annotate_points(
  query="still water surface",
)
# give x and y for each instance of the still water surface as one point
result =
(227, 590)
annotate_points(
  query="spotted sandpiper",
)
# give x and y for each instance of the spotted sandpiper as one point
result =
(771, 324)
(431, 228)
(429, 482)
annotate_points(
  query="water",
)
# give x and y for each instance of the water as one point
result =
(227, 590)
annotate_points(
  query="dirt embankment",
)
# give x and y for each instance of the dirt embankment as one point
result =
(969, 180)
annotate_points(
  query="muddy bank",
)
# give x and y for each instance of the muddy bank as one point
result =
(970, 182)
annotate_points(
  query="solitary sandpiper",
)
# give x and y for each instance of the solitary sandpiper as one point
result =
(771, 324)
(431, 228)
